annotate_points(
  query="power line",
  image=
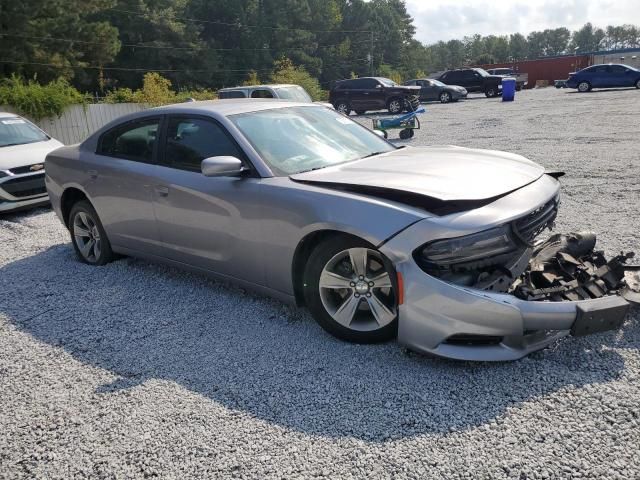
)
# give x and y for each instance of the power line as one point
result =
(161, 47)
(237, 24)
(141, 69)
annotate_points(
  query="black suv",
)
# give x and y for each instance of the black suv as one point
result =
(474, 80)
(373, 93)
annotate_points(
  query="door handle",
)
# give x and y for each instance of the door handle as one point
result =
(93, 174)
(162, 190)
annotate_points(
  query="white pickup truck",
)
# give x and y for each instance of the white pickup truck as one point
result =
(522, 79)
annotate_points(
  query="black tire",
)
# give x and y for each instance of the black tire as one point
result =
(406, 134)
(84, 215)
(318, 259)
(411, 133)
(360, 112)
(491, 92)
(396, 105)
(584, 87)
(638, 83)
(343, 107)
(445, 97)
(386, 135)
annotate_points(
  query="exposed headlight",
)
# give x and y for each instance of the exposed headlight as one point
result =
(477, 246)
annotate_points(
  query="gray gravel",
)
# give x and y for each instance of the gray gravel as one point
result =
(136, 370)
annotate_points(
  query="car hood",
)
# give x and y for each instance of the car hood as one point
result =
(26, 154)
(444, 173)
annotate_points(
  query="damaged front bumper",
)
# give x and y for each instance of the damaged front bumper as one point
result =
(557, 288)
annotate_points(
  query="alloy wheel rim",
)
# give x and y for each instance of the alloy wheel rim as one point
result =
(356, 290)
(444, 98)
(342, 108)
(395, 106)
(87, 236)
(583, 87)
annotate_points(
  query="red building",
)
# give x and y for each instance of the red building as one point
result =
(549, 69)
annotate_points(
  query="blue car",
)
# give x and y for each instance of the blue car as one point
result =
(609, 75)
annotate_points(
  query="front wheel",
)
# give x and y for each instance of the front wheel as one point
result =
(89, 239)
(395, 106)
(584, 87)
(491, 92)
(445, 97)
(350, 291)
(638, 83)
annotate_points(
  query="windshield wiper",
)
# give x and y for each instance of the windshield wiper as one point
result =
(311, 169)
(372, 155)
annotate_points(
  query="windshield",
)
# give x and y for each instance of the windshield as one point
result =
(17, 131)
(296, 93)
(387, 82)
(296, 139)
(437, 83)
(482, 72)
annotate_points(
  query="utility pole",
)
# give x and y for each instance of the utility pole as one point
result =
(371, 73)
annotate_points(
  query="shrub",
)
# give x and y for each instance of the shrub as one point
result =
(286, 72)
(156, 90)
(39, 101)
(120, 95)
(252, 79)
(204, 94)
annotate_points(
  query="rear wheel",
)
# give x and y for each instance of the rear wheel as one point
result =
(445, 97)
(395, 105)
(88, 236)
(350, 291)
(584, 87)
(342, 107)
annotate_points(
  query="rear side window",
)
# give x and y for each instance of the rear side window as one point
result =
(617, 69)
(261, 93)
(191, 140)
(133, 141)
(231, 94)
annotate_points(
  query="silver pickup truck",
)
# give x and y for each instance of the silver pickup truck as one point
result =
(522, 79)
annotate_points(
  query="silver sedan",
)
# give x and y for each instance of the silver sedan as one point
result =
(435, 246)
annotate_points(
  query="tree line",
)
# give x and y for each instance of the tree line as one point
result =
(101, 45)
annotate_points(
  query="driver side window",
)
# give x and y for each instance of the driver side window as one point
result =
(191, 140)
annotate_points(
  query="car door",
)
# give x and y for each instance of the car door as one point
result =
(620, 76)
(473, 79)
(598, 76)
(207, 222)
(121, 174)
(428, 91)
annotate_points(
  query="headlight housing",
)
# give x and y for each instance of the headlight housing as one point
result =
(477, 246)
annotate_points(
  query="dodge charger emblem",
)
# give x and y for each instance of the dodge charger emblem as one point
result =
(36, 167)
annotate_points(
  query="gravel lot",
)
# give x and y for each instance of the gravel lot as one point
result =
(136, 370)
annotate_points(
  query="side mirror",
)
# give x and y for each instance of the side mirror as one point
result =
(223, 166)
(378, 86)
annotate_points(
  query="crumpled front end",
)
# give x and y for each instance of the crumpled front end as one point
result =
(499, 293)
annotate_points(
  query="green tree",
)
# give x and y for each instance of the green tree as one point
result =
(586, 39)
(76, 40)
(518, 47)
(287, 72)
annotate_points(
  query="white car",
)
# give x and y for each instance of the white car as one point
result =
(23, 148)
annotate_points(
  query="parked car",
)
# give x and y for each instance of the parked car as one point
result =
(436, 90)
(300, 202)
(474, 80)
(283, 91)
(609, 75)
(373, 93)
(522, 79)
(23, 148)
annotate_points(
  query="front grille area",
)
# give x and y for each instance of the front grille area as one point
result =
(530, 226)
(26, 186)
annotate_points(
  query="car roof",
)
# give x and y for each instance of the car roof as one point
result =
(271, 85)
(231, 106)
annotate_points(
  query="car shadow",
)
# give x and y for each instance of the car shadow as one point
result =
(601, 90)
(255, 355)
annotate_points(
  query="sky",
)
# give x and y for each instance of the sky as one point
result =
(448, 19)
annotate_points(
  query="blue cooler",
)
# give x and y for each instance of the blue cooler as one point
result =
(508, 89)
